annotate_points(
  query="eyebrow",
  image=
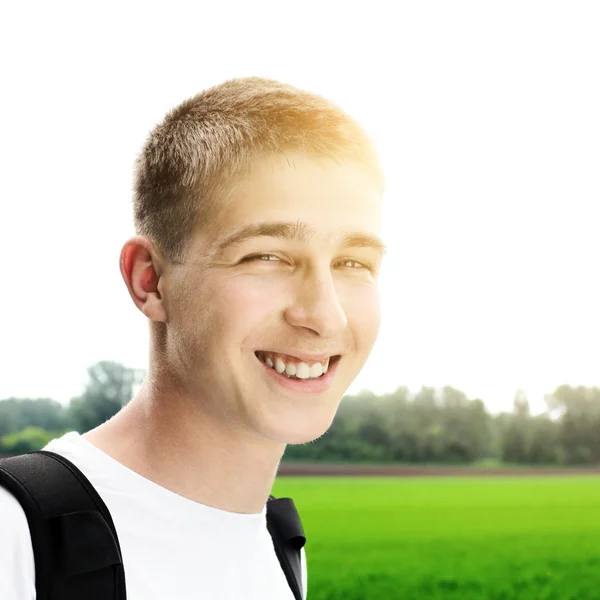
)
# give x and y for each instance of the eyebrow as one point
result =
(298, 232)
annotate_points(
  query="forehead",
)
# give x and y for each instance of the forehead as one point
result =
(302, 199)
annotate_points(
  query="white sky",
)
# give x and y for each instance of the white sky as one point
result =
(486, 116)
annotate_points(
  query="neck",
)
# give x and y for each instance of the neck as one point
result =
(169, 439)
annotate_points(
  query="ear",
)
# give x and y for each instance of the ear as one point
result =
(141, 273)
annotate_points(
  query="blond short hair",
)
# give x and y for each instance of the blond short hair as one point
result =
(190, 158)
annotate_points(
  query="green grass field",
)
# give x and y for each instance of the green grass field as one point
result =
(492, 538)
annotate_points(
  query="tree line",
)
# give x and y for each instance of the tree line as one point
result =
(28, 424)
(441, 426)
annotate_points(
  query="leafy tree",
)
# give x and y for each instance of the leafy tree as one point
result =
(26, 440)
(18, 413)
(579, 422)
(466, 427)
(110, 387)
(430, 426)
(544, 447)
(516, 435)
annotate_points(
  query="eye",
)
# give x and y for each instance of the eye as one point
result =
(361, 265)
(272, 258)
(260, 257)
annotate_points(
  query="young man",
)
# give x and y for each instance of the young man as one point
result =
(258, 214)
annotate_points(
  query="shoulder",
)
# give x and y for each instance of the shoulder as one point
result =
(17, 571)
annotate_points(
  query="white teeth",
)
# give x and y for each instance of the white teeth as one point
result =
(300, 371)
(316, 370)
(303, 371)
(290, 369)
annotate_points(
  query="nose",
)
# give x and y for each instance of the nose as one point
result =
(316, 306)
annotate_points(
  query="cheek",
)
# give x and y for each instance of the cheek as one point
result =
(244, 304)
(250, 294)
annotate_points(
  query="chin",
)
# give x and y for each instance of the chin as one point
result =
(300, 431)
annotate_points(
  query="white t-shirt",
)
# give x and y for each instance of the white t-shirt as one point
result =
(172, 547)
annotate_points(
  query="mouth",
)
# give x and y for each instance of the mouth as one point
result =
(310, 385)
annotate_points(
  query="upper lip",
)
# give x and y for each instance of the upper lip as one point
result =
(302, 356)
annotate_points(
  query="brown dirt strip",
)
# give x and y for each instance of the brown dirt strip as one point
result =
(350, 470)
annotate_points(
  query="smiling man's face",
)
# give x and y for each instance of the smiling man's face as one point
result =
(236, 308)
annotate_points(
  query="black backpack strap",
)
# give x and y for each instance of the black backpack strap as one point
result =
(75, 545)
(285, 527)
